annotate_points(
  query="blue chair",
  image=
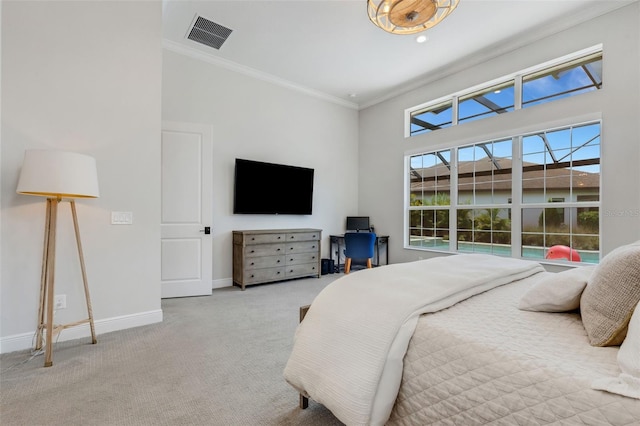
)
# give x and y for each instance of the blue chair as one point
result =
(358, 245)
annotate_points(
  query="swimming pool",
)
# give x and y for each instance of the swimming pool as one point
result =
(528, 252)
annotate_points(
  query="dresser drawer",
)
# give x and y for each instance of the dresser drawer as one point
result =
(264, 250)
(263, 262)
(264, 275)
(298, 258)
(304, 236)
(302, 247)
(264, 238)
(301, 270)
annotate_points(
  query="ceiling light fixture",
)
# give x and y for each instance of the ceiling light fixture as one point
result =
(408, 16)
(422, 38)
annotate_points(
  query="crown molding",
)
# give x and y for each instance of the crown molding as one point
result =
(251, 72)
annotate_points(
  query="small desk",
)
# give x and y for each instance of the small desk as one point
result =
(336, 250)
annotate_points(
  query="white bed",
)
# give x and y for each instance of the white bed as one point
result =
(485, 361)
(466, 356)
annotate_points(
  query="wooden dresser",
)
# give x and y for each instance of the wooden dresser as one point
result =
(266, 255)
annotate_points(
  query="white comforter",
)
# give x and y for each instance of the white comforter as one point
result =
(485, 362)
(348, 351)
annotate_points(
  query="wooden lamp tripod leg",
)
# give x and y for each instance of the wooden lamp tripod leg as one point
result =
(49, 273)
(84, 272)
(43, 280)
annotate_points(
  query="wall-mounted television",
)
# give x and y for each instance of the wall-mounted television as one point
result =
(269, 188)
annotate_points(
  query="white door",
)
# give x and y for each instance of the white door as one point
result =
(187, 198)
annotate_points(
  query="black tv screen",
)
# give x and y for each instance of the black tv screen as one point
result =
(358, 223)
(268, 188)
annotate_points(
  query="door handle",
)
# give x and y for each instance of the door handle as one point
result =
(206, 230)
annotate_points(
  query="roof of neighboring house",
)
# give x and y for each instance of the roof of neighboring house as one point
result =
(496, 174)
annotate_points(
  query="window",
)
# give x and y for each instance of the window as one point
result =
(579, 73)
(430, 198)
(433, 118)
(484, 182)
(557, 166)
(567, 79)
(556, 196)
(486, 102)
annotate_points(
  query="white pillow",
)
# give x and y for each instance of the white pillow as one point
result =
(629, 355)
(558, 292)
(628, 382)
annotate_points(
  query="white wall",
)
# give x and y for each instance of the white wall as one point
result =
(84, 77)
(258, 120)
(383, 146)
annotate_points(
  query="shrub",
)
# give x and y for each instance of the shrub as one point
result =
(590, 220)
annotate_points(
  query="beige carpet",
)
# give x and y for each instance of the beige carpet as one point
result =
(215, 360)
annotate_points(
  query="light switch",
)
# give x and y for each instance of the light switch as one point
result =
(121, 218)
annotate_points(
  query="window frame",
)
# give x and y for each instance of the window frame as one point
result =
(515, 207)
(516, 77)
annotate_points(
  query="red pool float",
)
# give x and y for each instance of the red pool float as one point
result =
(563, 252)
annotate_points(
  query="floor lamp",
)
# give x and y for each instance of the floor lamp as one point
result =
(57, 175)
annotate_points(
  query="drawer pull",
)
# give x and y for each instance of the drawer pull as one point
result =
(253, 251)
(252, 275)
(278, 250)
(290, 260)
(278, 273)
(253, 238)
(292, 237)
(279, 237)
(313, 246)
(252, 263)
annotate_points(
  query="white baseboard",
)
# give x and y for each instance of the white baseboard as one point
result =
(20, 342)
(223, 282)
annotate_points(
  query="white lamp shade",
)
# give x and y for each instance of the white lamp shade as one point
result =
(62, 174)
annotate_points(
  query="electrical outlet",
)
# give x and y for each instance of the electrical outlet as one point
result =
(60, 301)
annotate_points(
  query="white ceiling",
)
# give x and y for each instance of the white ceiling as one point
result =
(330, 48)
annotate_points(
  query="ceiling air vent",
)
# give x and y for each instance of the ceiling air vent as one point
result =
(209, 33)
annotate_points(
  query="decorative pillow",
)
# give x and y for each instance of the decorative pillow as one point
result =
(628, 382)
(557, 292)
(612, 293)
